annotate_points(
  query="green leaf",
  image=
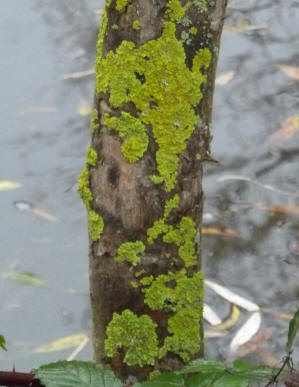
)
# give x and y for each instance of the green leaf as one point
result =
(293, 329)
(25, 278)
(167, 379)
(203, 380)
(76, 374)
(231, 381)
(251, 371)
(2, 343)
(204, 366)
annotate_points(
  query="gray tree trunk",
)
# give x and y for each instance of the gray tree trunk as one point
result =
(142, 183)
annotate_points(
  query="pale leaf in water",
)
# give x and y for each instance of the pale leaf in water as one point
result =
(44, 215)
(285, 132)
(210, 315)
(25, 278)
(232, 297)
(230, 321)
(223, 232)
(289, 209)
(84, 109)
(225, 78)
(290, 71)
(37, 109)
(244, 26)
(255, 342)
(246, 332)
(7, 185)
(63, 343)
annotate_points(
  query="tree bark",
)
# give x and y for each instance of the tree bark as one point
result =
(142, 182)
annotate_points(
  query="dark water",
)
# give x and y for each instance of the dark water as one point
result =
(43, 143)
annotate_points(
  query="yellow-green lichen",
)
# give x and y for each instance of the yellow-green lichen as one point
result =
(155, 78)
(83, 187)
(114, 27)
(176, 11)
(136, 335)
(121, 4)
(92, 157)
(193, 30)
(128, 252)
(95, 225)
(159, 227)
(183, 236)
(94, 121)
(133, 133)
(185, 300)
(102, 31)
(136, 25)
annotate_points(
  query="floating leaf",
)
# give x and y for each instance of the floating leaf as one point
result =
(76, 374)
(26, 278)
(63, 343)
(230, 321)
(44, 214)
(232, 297)
(37, 109)
(290, 71)
(167, 379)
(293, 329)
(224, 79)
(285, 132)
(244, 26)
(7, 185)
(223, 232)
(78, 74)
(84, 109)
(210, 315)
(255, 342)
(2, 343)
(246, 332)
(290, 209)
(23, 205)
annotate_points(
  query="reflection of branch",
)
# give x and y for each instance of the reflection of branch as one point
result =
(265, 186)
(287, 362)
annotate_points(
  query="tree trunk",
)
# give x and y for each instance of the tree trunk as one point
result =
(142, 183)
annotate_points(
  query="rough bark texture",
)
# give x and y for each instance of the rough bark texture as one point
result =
(142, 183)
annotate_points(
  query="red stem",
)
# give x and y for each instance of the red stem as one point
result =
(20, 379)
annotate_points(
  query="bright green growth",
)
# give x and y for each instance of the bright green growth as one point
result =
(114, 27)
(94, 121)
(193, 31)
(102, 31)
(176, 11)
(159, 226)
(185, 300)
(136, 25)
(121, 4)
(92, 157)
(128, 252)
(156, 79)
(95, 225)
(136, 335)
(183, 236)
(170, 205)
(133, 133)
(83, 187)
